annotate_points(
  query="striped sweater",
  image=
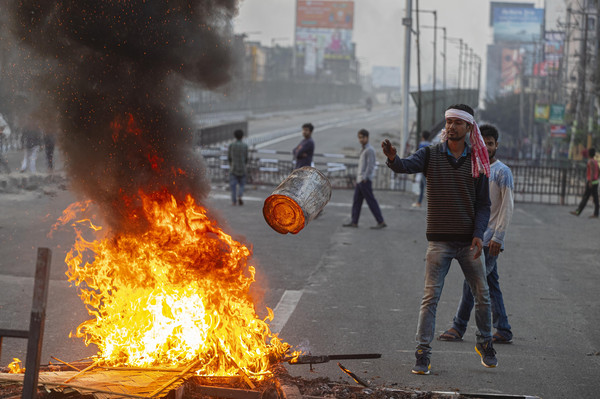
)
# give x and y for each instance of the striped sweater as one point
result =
(451, 197)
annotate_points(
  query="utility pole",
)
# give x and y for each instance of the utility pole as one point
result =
(478, 75)
(582, 76)
(407, 22)
(470, 67)
(419, 99)
(445, 58)
(294, 56)
(435, 27)
(433, 112)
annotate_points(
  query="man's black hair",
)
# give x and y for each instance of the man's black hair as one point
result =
(591, 152)
(363, 132)
(462, 107)
(238, 134)
(309, 126)
(489, 131)
(425, 134)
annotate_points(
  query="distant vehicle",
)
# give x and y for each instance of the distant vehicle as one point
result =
(396, 97)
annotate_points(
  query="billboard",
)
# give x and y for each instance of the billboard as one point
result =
(559, 131)
(541, 112)
(517, 24)
(325, 14)
(557, 114)
(323, 31)
(511, 65)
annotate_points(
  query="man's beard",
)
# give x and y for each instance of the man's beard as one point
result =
(455, 137)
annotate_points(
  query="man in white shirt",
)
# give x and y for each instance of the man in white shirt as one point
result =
(501, 197)
(4, 135)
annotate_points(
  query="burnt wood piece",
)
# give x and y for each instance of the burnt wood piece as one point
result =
(309, 359)
(36, 323)
(230, 393)
(356, 378)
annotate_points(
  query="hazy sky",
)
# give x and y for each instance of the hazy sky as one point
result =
(378, 31)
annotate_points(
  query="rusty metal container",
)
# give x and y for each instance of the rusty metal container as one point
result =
(297, 200)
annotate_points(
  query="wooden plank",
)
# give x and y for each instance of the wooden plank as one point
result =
(91, 366)
(14, 333)
(36, 323)
(230, 393)
(177, 377)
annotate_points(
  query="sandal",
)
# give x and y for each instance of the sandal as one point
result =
(498, 338)
(450, 335)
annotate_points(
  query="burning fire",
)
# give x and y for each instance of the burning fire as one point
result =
(174, 294)
(15, 367)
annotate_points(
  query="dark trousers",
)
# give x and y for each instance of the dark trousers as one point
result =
(590, 189)
(364, 191)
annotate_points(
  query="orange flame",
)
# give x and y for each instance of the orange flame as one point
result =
(176, 293)
(15, 367)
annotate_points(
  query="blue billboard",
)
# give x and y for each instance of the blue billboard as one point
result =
(517, 24)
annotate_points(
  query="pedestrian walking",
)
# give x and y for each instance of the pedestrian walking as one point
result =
(238, 159)
(591, 185)
(502, 199)
(4, 135)
(31, 140)
(363, 189)
(420, 177)
(303, 153)
(49, 150)
(458, 210)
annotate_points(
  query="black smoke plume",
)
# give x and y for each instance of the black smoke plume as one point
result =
(115, 73)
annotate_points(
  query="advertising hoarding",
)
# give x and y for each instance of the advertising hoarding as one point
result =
(510, 69)
(517, 24)
(325, 14)
(541, 112)
(557, 114)
(558, 131)
(325, 26)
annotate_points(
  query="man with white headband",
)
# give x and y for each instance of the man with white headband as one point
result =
(458, 209)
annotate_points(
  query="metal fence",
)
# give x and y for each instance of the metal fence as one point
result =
(548, 182)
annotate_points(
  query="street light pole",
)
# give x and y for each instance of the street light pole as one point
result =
(407, 22)
(419, 98)
(434, 12)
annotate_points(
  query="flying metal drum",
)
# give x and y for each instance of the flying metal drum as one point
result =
(297, 200)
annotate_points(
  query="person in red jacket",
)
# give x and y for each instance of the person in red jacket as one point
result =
(591, 185)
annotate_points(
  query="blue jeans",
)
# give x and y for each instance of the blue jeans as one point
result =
(235, 181)
(498, 312)
(439, 257)
(364, 191)
(422, 185)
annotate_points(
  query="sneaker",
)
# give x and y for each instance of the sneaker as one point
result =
(594, 217)
(422, 365)
(487, 353)
(500, 338)
(350, 225)
(574, 213)
(379, 226)
(240, 201)
(415, 205)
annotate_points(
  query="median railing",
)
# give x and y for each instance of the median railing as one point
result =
(542, 182)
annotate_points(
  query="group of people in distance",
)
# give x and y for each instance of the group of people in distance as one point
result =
(469, 207)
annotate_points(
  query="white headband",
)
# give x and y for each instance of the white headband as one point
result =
(457, 113)
(479, 159)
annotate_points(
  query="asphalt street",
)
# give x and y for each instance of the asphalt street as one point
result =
(338, 290)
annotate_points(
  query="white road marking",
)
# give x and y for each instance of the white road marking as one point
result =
(284, 309)
(538, 221)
